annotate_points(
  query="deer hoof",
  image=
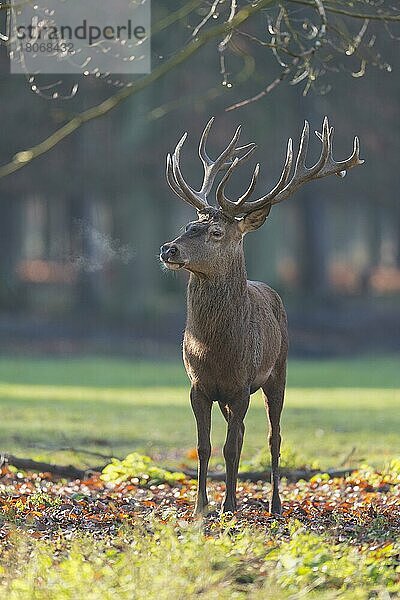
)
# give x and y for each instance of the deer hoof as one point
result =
(229, 507)
(200, 510)
(276, 506)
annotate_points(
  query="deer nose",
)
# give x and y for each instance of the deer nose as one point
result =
(168, 251)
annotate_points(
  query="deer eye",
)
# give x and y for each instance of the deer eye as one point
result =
(217, 233)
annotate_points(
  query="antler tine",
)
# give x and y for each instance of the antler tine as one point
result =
(230, 158)
(251, 187)
(225, 160)
(228, 206)
(300, 165)
(205, 159)
(211, 169)
(208, 162)
(324, 166)
(242, 206)
(299, 170)
(229, 150)
(171, 181)
(326, 151)
(185, 191)
(249, 148)
(283, 179)
(340, 168)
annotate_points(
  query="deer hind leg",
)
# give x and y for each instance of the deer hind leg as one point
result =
(234, 415)
(273, 392)
(202, 411)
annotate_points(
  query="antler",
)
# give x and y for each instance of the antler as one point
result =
(231, 155)
(286, 186)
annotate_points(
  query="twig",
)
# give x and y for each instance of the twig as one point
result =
(267, 90)
(322, 14)
(290, 474)
(208, 16)
(70, 471)
(349, 13)
(265, 44)
(21, 159)
(67, 471)
(223, 45)
(228, 36)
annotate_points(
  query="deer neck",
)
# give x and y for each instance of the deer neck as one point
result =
(216, 303)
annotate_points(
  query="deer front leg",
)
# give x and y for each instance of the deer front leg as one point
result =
(235, 414)
(202, 411)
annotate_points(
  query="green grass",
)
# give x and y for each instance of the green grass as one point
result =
(117, 406)
(177, 561)
(366, 372)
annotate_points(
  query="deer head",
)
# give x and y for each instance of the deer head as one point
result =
(212, 242)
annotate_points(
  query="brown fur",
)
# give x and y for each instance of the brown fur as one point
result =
(235, 342)
(236, 333)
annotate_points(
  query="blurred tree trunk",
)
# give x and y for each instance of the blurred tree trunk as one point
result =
(313, 259)
(9, 251)
(374, 234)
(397, 217)
(374, 239)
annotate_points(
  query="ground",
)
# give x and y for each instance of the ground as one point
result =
(131, 535)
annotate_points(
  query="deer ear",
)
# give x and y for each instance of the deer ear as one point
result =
(254, 220)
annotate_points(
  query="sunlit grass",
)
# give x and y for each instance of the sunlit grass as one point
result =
(333, 409)
(115, 407)
(175, 560)
(366, 372)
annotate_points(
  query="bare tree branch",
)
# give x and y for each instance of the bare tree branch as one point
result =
(175, 16)
(303, 40)
(289, 474)
(267, 90)
(72, 472)
(208, 16)
(349, 13)
(67, 471)
(25, 157)
(309, 42)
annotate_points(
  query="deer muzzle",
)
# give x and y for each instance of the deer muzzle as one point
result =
(170, 256)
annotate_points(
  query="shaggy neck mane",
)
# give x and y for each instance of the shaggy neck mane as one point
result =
(216, 303)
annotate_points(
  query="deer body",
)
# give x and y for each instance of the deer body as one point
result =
(236, 339)
(227, 364)
(211, 346)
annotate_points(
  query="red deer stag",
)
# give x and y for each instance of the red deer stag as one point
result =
(236, 338)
